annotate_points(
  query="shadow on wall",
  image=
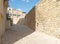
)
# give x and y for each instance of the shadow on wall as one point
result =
(16, 33)
(30, 19)
(21, 21)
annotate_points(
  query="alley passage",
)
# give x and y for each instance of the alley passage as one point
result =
(20, 34)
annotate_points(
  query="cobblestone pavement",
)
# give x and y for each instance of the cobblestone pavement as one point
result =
(23, 35)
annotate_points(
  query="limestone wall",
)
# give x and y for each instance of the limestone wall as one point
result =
(2, 19)
(45, 17)
(48, 17)
(5, 4)
(30, 19)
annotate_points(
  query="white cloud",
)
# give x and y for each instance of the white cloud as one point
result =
(19, 9)
(26, 0)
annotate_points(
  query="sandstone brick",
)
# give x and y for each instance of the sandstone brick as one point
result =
(46, 16)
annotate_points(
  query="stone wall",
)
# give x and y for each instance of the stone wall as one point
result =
(5, 5)
(2, 19)
(48, 17)
(30, 19)
(45, 17)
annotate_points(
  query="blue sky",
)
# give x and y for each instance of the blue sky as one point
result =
(24, 5)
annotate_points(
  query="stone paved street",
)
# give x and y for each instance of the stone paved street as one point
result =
(23, 35)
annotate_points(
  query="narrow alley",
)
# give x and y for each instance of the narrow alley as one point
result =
(29, 22)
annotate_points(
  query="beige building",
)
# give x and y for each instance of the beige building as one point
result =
(17, 16)
(3, 6)
(47, 17)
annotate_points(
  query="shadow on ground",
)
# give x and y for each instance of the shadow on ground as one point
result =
(16, 33)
